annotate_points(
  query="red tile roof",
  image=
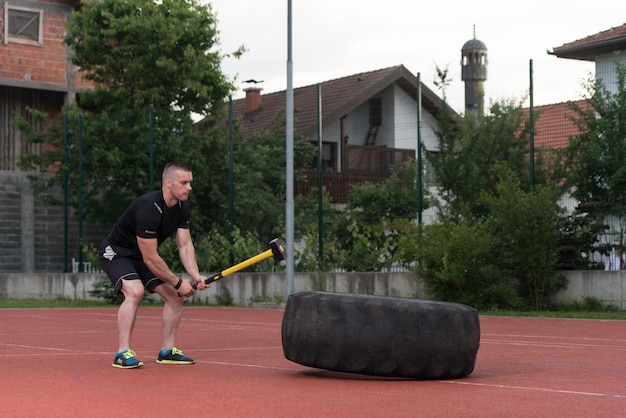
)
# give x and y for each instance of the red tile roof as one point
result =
(554, 125)
(588, 48)
(339, 97)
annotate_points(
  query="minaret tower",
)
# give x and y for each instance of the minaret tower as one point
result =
(474, 73)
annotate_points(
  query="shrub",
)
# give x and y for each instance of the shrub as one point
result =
(456, 264)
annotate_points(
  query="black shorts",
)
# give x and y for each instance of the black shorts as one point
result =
(119, 267)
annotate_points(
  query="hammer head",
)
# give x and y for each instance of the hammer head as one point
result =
(277, 250)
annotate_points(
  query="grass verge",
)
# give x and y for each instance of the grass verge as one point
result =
(567, 311)
(616, 315)
(53, 303)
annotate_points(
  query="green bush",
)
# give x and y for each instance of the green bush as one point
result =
(456, 264)
(224, 298)
(103, 289)
(505, 261)
(525, 230)
(217, 252)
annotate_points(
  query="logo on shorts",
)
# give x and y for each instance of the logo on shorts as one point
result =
(109, 253)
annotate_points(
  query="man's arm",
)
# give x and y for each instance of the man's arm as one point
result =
(187, 254)
(158, 266)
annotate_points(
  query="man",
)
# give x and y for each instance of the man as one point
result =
(130, 258)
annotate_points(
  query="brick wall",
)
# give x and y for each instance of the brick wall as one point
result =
(40, 65)
(32, 230)
(10, 218)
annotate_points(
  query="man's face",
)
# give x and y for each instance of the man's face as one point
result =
(180, 184)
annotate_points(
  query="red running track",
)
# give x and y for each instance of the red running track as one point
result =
(57, 363)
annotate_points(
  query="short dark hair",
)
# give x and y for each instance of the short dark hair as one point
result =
(174, 165)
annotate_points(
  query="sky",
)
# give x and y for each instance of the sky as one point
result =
(338, 38)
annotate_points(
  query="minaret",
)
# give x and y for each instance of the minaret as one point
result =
(473, 73)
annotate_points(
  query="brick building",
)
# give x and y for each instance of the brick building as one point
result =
(35, 72)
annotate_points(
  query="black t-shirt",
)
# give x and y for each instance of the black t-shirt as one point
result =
(147, 217)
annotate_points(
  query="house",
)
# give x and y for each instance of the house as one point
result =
(554, 125)
(368, 124)
(35, 69)
(603, 48)
(35, 72)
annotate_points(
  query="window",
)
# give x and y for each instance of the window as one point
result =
(376, 119)
(329, 156)
(376, 111)
(23, 25)
(430, 177)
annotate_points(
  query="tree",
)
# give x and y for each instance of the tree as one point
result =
(495, 243)
(505, 261)
(307, 231)
(260, 177)
(154, 65)
(149, 62)
(366, 234)
(456, 264)
(526, 235)
(142, 52)
(468, 152)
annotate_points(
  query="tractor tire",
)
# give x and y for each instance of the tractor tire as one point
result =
(380, 335)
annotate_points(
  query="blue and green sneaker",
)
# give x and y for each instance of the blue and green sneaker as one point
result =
(126, 360)
(173, 356)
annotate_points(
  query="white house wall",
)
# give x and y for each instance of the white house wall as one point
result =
(406, 122)
(399, 119)
(356, 124)
(398, 128)
(606, 70)
(386, 134)
(332, 134)
(429, 137)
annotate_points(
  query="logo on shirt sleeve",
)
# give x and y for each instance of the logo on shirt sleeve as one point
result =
(109, 253)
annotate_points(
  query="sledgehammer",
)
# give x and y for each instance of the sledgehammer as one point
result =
(276, 250)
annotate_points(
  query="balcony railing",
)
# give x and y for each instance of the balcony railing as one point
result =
(363, 164)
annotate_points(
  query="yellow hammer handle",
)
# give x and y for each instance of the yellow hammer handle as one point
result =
(240, 266)
(246, 263)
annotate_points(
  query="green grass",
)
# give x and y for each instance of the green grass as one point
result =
(68, 303)
(620, 315)
(589, 308)
(584, 311)
(52, 303)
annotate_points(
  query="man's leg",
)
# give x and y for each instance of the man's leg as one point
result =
(133, 291)
(172, 312)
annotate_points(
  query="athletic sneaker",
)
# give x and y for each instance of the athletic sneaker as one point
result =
(126, 360)
(173, 356)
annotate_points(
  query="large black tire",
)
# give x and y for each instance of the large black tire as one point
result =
(380, 335)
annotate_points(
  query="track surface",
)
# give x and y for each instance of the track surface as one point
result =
(57, 363)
